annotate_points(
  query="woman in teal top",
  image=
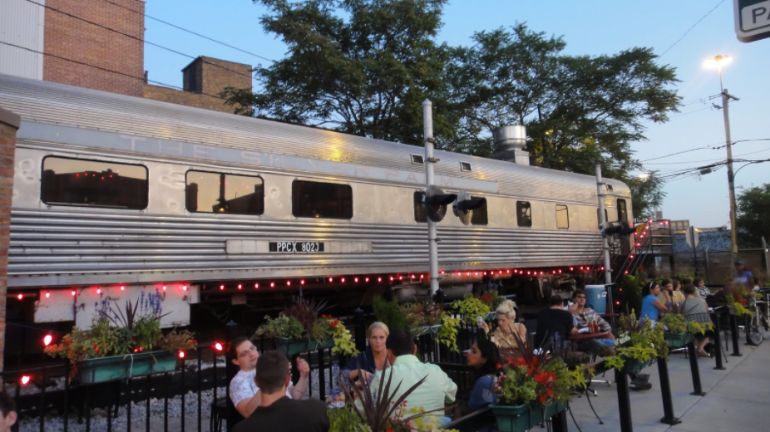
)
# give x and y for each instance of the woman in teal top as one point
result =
(651, 306)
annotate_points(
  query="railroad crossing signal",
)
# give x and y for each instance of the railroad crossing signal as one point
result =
(752, 19)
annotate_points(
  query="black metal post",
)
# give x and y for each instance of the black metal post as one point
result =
(624, 401)
(697, 390)
(747, 320)
(717, 342)
(559, 422)
(734, 336)
(665, 392)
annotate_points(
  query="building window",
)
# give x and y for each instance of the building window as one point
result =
(92, 183)
(210, 192)
(622, 211)
(419, 209)
(321, 200)
(523, 213)
(562, 216)
(479, 215)
(417, 159)
(465, 166)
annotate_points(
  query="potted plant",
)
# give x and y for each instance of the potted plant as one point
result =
(676, 334)
(365, 410)
(638, 344)
(120, 344)
(533, 387)
(301, 328)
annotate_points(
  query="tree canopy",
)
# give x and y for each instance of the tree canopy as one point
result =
(753, 211)
(364, 66)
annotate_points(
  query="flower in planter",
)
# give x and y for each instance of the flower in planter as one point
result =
(119, 332)
(638, 341)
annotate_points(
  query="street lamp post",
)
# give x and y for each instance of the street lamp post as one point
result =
(719, 62)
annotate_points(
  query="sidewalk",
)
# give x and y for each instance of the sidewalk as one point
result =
(737, 399)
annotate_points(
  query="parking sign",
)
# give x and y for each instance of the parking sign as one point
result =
(752, 19)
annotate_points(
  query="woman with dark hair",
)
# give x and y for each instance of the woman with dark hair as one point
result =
(652, 308)
(483, 357)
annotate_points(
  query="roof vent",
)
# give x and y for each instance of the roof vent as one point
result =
(509, 144)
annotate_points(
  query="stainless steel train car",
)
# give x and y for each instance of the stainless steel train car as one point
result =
(114, 192)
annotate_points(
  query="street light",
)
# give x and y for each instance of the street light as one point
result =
(719, 62)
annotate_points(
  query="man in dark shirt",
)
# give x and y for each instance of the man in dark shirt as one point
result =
(554, 325)
(276, 412)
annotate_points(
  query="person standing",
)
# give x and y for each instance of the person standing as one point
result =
(276, 411)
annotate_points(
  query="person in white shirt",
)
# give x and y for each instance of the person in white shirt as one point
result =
(244, 391)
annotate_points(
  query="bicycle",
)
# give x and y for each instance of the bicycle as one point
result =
(759, 318)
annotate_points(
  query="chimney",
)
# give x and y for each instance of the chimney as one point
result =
(509, 144)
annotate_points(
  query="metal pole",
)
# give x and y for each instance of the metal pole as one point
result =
(734, 336)
(665, 392)
(427, 127)
(605, 243)
(717, 340)
(730, 174)
(764, 254)
(624, 401)
(697, 389)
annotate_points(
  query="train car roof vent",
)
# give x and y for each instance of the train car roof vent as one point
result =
(417, 159)
(465, 166)
(509, 144)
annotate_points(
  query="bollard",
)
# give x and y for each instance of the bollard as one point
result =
(734, 336)
(717, 342)
(624, 401)
(665, 392)
(559, 422)
(697, 390)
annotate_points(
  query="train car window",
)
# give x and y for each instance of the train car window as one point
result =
(562, 216)
(465, 166)
(211, 192)
(479, 216)
(91, 183)
(419, 210)
(417, 159)
(523, 213)
(622, 211)
(321, 200)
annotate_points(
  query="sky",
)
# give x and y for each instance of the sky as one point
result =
(683, 33)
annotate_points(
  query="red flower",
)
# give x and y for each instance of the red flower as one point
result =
(334, 323)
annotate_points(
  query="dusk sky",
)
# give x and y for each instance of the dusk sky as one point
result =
(683, 33)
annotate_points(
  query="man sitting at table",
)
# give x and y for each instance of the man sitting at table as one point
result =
(589, 322)
(406, 370)
(554, 326)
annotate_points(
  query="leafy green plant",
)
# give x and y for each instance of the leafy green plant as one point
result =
(281, 326)
(447, 333)
(343, 339)
(674, 323)
(345, 420)
(389, 312)
(639, 341)
(632, 291)
(471, 308)
(698, 328)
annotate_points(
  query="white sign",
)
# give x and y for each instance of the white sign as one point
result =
(752, 19)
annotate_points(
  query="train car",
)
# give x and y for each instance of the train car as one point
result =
(117, 196)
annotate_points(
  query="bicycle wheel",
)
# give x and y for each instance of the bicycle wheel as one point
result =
(755, 333)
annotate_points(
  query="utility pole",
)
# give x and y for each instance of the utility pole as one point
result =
(730, 174)
(600, 193)
(427, 128)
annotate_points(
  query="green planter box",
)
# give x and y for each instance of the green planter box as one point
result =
(677, 340)
(103, 369)
(512, 418)
(632, 367)
(540, 413)
(292, 347)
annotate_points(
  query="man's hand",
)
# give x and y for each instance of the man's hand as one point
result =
(303, 367)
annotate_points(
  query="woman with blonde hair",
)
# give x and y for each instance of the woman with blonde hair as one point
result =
(507, 331)
(374, 356)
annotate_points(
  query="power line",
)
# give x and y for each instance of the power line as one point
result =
(142, 40)
(200, 35)
(101, 68)
(692, 27)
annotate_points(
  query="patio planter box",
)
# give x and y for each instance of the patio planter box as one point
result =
(101, 369)
(292, 347)
(677, 340)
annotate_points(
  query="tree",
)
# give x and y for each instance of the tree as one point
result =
(579, 110)
(357, 66)
(753, 211)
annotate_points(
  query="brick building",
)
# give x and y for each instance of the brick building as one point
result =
(100, 45)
